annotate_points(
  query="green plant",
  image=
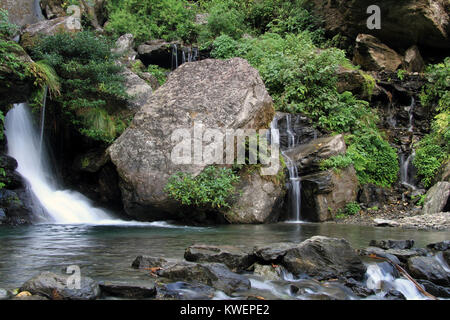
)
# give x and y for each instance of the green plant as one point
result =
(401, 74)
(352, 208)
(211, 189)
(159, 73)
(337, 162)
(7, 29)
(91, 84)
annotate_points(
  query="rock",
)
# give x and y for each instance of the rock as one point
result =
(15, 210)
(379, 252)
(259, 199)
(428, 268)
(157, 52)
(324, 193)
(446, 256)
(48, 28)
(434, 289)
(186, 291)
(394, 295)
(227, 95)
(137, 88)
(392, 244)
(125, 47)
(52, 8)
(439, 246)
(355, 82)
(268, 272)
(273, 253)
(91, 162)
(3, 217)
(359, 288)
(371, 54)
(372, 195)
(403, 23)
(324, 258)
(128, 290)
(435, 221)
(22, 12)
(413, 61)
(300, 125)
(444, 173)
(404, 255)
(56, 287)
(5, 294)
(308, 157)
(147, 262)
(385, 223)
(437, 198)
(234, 258)
(11, 179)
(212, 274)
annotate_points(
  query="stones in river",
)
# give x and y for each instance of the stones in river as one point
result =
(147, 262)
(4, 294)
(186, 291)
(428, 268)
(392, 244)
(440, 246)
(434, 289)
(60, 287)
(234, 258)
(273, 253)
(324, 258)
(128, 290)
(212, 274)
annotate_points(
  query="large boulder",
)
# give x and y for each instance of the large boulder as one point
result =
(324, 258)
(325, 193)
(437, 198)
(413, 61)
(371, 54)
(59, 287)
(403, 23)
(22, 12)
(428, 268)
(259, 199)
(234, 258)
(218, 94)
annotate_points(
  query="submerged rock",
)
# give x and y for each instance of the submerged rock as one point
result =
(147, 262)
(186, 291)
(212, 274)
(324, 258)
(234, 258)
(439, 246)
(128, 290)
(58, 287)
(227, 95)
(5, 294)
(434, 289)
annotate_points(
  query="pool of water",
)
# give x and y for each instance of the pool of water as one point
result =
(106, 252)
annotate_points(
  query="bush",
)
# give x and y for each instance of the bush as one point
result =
(91, 82)
(211, 189)
(159, 73)
(150, 19)
(337, 162)
(352, 208)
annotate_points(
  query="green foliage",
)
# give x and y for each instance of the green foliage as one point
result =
(10, 59)
(211, 189)
(434, 149)
(375, 161)
(91, 81)
(337, 163)
(350, 209)
(150, 19)
(401, 74)
(224, 18)
(159, 73)
(7, 29)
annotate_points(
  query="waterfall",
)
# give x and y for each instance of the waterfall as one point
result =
(43, 121)
(294, 179)
(61, 206)
(411, 114)
(174, 56)
(406, 170)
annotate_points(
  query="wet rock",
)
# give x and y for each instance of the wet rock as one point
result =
(58, 287)
(13, 207)
(325, 193)
(413, 61)
(92, 161)
(186, 291)
(5, 294)
(371, 54)
(215, 275)
(273, 253)
(324, 258)
(385, 223)
(392, 244)
(379, 252)
(128, 290)
(439, 246)
(394, 295)
(435, 290)
(446, 256)
(259, 199)
(359, 288)
(228, 95)
(269, 272)
(404, 255)
(314, 290)
(233, 257)
(300, 125)
(147, 262)
(11, 179)
(3, 217)
(428, 268)
(437, 198)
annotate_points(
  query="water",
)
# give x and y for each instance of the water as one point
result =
(407, 170)
(411, 114)
(59, 206)
(106, 252)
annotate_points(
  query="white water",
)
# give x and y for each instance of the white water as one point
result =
(60, 206)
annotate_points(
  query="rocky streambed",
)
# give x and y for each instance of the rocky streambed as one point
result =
(319, 268)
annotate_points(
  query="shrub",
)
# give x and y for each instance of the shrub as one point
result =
(352, 208)
(211, 189)
(7, 29)
(149, 19)
(337, 162)
(159, 73)
(91, 81)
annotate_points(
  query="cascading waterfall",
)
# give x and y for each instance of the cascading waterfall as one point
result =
(294, 179)
(411, 114)
(41, 142)
(174, 56)
(406, 170)
(62, 206)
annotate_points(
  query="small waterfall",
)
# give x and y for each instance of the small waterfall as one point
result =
(407, 170)
(41, 142)
(294, 178)
(61, 206)
(411, 114)
(174, 56)
(187, 55)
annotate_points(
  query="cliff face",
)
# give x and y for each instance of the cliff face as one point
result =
(22, 12)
